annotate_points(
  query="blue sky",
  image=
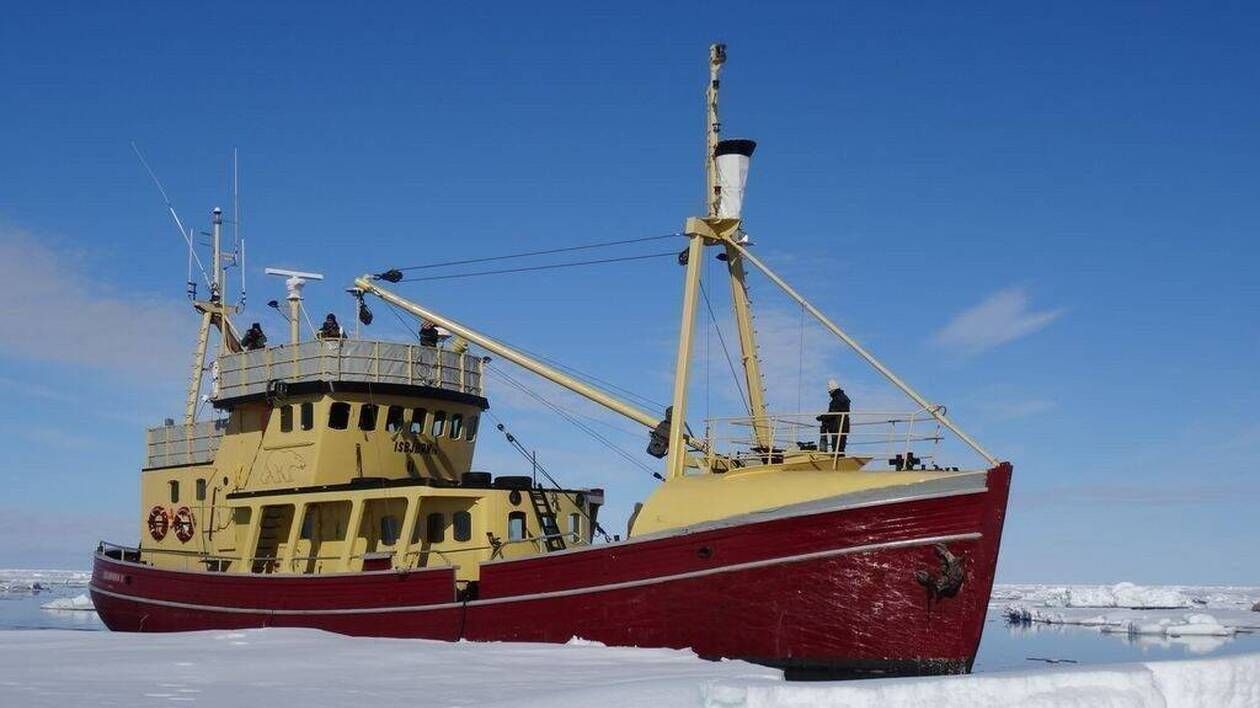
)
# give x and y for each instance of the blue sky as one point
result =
(1044, 216)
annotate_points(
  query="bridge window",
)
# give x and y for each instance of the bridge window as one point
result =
(367, 417)
(457, 426)
(575, 525)
(394, 419)
(308, 415)
(462, 521)
(286, 419)
(201, 490)
(439, 423)
(339, 415)
(471, 432)
(389, 530)
(516, 526)
(417, 421)
(436, 528)
(174, 485)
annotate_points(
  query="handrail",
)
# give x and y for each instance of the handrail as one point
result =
(790, 432)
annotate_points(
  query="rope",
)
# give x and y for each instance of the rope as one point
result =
(571, 264)
(528, 254)
(533, 460)
(571, 419)
(743, 398)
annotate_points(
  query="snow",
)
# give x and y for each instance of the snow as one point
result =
(1127, 608)
(80, 602)
(17, 581)
(1118, 595)
(314, 669)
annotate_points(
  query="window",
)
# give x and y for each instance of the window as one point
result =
(201, 490)
(308, 415)
(575, 525)
(516, 526)
(394, 419)
(389, 530)
(339, 416)
(174, 485)
(436, 528)
(471, 433)
(286, 419)
(457, 426)
(462, 521)
(367, 417)
(417, 421)
(439, 423)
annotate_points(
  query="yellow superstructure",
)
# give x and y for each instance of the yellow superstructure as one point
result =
(339, 467)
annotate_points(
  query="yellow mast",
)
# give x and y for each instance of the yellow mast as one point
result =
(213, 312)
(740, 303)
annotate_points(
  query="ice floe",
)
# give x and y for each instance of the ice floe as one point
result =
(16, 581)
(79, 602)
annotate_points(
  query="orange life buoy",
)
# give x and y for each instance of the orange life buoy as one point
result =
(183, 524)
(159, 523)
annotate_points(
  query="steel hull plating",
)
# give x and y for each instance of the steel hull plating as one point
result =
(850, 590)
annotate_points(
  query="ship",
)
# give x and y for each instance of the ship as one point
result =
(334, 488)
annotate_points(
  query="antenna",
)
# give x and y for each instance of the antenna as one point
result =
(295, 280)
(236, 223)
(185, 233)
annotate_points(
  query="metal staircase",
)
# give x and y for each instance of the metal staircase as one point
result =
(271, 531)
(546, 520)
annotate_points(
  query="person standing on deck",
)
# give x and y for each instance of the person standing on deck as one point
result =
(428, 334)
(254, 338)
(331, 329)
(834, 428)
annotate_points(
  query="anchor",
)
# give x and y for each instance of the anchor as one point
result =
(950, 579)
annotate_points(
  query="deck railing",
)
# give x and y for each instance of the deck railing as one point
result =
(183, 444)
(879, 435)
(346, 360)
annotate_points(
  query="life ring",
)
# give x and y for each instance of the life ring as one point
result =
(159, 523)
(183, 524)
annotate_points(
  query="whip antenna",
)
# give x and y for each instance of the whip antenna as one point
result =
(185, 233)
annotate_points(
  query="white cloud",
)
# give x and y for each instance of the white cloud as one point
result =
(53, 310)
(1002, 317)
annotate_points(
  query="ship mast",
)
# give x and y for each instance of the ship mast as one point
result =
(213, 312)
(740, 303)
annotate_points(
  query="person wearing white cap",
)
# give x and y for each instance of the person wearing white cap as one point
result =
(834, 424)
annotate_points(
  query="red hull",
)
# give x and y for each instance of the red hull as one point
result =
(816, 590)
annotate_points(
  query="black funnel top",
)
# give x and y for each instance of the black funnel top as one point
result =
(735, 147)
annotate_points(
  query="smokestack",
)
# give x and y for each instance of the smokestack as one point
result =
(731, 158)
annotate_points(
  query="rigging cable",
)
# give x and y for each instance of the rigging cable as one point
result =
(743, 398)
(571, 418)
(527, 254)
(533, 460)
(524, 269)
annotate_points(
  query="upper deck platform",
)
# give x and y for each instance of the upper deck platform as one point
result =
(251, 373)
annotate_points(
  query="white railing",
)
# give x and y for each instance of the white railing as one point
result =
(878, 435)
(183, 443)
(250, 373)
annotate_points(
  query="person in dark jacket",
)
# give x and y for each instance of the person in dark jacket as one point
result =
(834, 428)
(254, 338)
(330, 329)
(429, 334)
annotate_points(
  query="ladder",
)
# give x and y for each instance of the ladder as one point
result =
(546, 520)
(269, 527)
